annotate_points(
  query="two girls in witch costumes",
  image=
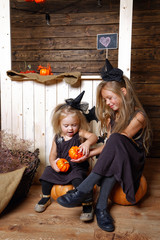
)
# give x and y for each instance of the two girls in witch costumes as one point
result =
(122, 157)
(71, 129)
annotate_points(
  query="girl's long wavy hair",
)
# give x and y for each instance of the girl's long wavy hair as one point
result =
(129, 103)
(63, 110)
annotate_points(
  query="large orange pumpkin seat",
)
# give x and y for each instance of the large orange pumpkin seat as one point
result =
(59, 190)
(118, 196)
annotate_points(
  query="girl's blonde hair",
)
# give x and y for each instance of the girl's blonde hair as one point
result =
(63, 110)
(129, 104)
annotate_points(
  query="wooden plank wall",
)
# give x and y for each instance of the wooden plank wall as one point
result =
(69, 44)
(145, 71)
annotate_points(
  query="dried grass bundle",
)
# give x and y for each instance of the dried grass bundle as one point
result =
(14, 153)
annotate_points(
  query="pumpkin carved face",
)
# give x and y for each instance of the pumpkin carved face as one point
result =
(74, 152)
(63, 165)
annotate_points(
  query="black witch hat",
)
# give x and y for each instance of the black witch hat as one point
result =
(76, 103)
(108, 73)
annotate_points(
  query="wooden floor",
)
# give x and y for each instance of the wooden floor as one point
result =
(140, 222)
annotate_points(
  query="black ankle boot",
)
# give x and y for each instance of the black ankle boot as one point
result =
(104, 220)
(74, 198)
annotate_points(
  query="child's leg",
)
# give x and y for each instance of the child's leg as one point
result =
(88, 184)
(104, 219)
(106, 186)
(87, 208)
(45, 200)
(46, 191)
(83, 193)
(76, 182)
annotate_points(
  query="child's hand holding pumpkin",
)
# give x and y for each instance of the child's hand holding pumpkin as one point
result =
(79, 160)
(54, 165)
(84, 148)
(79, 154)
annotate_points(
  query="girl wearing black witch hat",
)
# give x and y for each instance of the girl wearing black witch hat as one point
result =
(71, 129)
(122, 157)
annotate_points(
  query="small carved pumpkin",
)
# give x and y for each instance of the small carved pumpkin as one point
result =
(59, 190)
(118, 196)
(74, 152)
(63, 165)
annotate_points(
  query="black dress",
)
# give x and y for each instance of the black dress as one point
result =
(76, 170)
(124, 159)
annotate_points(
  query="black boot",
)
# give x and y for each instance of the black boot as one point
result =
(74, 198)
(104, 220)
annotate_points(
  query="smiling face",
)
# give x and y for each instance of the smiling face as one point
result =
(111, 99)
(69, 125)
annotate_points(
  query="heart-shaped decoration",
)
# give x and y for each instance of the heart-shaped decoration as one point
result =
(105, 41)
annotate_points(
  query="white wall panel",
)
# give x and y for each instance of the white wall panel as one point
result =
(17, 106)
(5, 64)
(40, 122)
(51, 103)
(28, 112)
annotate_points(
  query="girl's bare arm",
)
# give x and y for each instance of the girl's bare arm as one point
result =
(137, 123)
(91, 139)
(53, 157)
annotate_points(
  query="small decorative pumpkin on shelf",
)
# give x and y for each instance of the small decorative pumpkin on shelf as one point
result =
(40, 1)
(59, 190)
(45, 70)
(37, 1)
(74, 152)
(63, 165)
